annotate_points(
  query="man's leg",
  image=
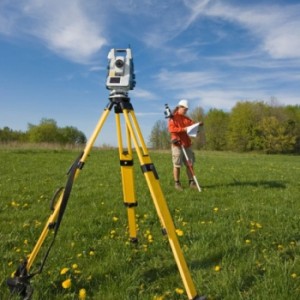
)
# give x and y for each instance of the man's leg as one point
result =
(176, 159)
(176, 174)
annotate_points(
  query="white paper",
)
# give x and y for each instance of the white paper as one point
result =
(193, 130)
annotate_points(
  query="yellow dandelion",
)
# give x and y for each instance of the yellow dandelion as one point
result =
(179, 291)
(217, 268)
(259, 226)
(14, 204)
(64, 271)
(248, 242)
(82, 294)
(37, 223)
(75, 266)
(185, 247)
(179, 232)
(216, 209)
(67, 283)
(294, 275)
(92, 253)
(158, 298)
(115, 219)
(280, 247)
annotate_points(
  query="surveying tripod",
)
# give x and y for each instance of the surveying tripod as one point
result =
(20, 282)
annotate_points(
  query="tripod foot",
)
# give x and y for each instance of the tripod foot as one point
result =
(134, 240)
(20, 286)
(20, 283)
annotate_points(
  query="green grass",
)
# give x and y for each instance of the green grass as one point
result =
(240, 238)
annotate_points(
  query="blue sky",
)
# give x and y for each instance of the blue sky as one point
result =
(53, 57)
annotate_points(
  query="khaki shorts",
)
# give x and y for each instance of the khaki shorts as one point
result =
(178, 157)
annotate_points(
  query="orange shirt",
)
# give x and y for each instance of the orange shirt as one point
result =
(177, 125)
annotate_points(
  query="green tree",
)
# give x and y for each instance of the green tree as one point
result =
(276, 136)
(293, 120)
(6, 134)
(46, 132)
(71, 135)
(242, 128)
(216, 126)
(159, 136)
(9, 135)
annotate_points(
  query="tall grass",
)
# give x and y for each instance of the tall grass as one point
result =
(240, 236)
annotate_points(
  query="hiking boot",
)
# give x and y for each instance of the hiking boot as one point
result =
(178, 186)
(193, 185)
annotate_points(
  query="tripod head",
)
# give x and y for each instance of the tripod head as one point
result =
(120, 72)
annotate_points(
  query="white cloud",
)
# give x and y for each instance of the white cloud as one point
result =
(219, 89)
(187, 80)
(284, 40)
(65, 27)
(278, 27)
(139, 93)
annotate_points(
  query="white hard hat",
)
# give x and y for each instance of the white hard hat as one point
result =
(183, 103)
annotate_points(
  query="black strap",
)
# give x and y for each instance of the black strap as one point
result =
(66, 194)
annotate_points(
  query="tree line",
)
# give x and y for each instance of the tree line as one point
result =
(45, 132)
(249, 126)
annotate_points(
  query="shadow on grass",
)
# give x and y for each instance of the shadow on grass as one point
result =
(260, 183)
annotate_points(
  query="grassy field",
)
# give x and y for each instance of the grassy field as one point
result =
(240, 236)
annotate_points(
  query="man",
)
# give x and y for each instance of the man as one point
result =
(177, 126)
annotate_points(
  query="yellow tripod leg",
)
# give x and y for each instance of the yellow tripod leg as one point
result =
(53, 217)
(126, 164)
(49, 224)
(94, 136)
(159, 202)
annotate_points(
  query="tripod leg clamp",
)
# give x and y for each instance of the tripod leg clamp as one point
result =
(130, 204)
(150, 168)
